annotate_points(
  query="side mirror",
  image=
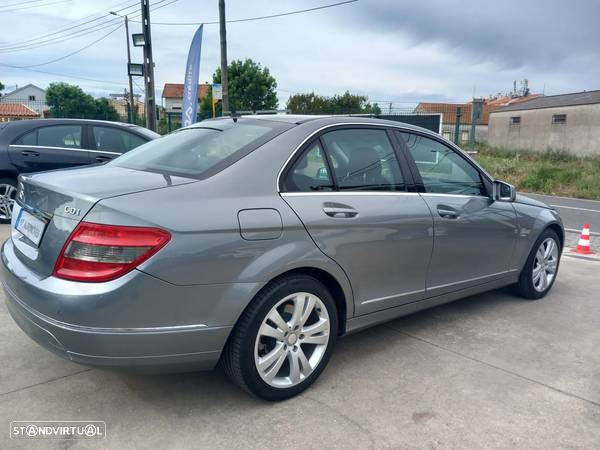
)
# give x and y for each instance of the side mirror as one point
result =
(504, 192)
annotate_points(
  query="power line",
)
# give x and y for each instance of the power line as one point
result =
(40, 42)
(23, 3)
(81, 32)
(271, 16)
(64, 75)
(31, 69)
(76, 51)
(34, 6)
(18, 43)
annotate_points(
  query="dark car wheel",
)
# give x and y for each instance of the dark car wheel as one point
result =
(541, 267)
(284, 339)
(8, 192)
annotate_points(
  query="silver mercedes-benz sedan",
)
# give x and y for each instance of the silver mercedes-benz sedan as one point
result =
(258, 241)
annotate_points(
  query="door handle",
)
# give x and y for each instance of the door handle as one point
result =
(341, 212)
(447, 212)
(103, 158)
(30, 153)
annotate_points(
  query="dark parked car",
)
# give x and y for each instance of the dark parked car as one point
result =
(46, 144)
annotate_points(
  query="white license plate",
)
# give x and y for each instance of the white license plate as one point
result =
(30, 226)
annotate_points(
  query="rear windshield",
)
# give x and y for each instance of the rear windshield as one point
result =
(200, 151)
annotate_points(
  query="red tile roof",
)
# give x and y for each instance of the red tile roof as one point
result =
(175, 90)
(16, 110)
(449, 109)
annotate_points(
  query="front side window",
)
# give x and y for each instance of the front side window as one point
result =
(442, 170)
(195, 150)
(363, 160)
(309, 172)
(110, 139)
(68, 136)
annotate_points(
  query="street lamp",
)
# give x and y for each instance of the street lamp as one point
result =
(129, 68)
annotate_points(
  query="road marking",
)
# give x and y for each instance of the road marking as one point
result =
(574, 207)
(562, 196)
(573, 230)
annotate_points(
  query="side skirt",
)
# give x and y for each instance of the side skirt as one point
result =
(368, 320)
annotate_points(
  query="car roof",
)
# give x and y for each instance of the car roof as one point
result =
(298, 119)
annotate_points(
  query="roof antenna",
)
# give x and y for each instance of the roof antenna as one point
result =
(234, 115)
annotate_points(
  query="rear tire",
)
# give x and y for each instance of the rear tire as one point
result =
(284, 338)
(8, 193)
(541, 268)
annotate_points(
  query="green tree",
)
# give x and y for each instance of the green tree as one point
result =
(1, 88)
(346, 103)
(251, 86)
(67, 100)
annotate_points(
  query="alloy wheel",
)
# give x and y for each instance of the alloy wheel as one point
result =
(545, 265)
(292, 340)
(7, 199)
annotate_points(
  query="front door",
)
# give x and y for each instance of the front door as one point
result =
(48, 148)
(348, 189)
(474, 235)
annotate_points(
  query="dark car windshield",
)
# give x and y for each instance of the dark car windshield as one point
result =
(202, 150)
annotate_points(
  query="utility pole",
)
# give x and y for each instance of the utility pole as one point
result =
(131, 101)
(223, 35)
(148, 68)
(131, 115)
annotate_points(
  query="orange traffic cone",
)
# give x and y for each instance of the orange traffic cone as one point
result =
(583, 246)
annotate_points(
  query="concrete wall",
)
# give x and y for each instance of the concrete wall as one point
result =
(173, 104)
(580, 135)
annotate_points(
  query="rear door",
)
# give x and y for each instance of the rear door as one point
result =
(110, 142)
(49, 147)
(350, 191)
(474, 235)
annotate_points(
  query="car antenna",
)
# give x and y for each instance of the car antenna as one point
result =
(235, 116)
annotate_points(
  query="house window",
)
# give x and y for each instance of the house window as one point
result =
(32, 98)
(559, 119)
(446, 134)
(464, 136)
(515, 120)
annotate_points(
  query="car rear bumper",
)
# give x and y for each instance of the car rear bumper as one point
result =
(185, 346)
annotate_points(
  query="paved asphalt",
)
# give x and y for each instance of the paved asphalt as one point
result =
(490, 371)
(574, 212)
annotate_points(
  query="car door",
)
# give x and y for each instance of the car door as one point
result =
(110, 142)
(474, 236)
(348, 188)
(49, 147)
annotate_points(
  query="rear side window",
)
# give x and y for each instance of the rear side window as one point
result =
(68, 136)
(113, 140)
(310, 172)
(363, 160)
(198, 150)
(27, 139)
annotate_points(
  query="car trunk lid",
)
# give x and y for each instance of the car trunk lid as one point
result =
(61, 199)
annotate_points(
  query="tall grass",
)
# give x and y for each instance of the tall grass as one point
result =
(549, 172)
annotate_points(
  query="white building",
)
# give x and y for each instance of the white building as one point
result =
(29, 95)
(568, 122)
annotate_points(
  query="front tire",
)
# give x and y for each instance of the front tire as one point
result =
(8, 193)
(540, 270)
(284, 339)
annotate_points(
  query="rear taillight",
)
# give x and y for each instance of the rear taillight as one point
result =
(96, 252)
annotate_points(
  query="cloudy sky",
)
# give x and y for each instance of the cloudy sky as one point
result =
(393, 51)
